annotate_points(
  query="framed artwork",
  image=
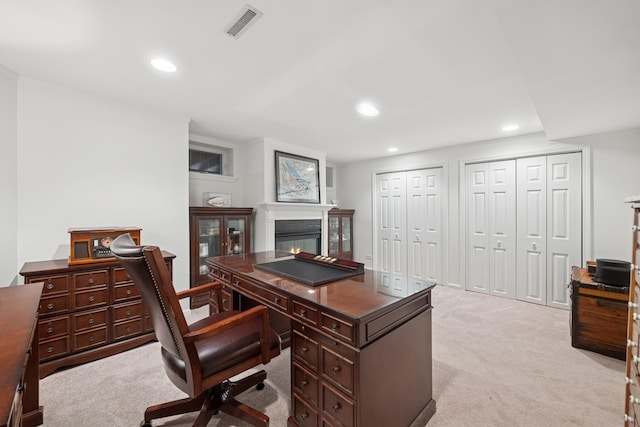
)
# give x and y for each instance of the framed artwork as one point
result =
(297, 178)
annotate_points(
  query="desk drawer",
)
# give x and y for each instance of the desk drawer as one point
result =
(337, 406)
(337, 327)
(305, 350)
(304, 312)
(338, 369)
(304, 414)
(54, 348)
(272, 299)
(305, 383)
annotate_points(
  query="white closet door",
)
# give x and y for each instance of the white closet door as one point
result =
(564, 224)
(532, 226)
(477, 207)
(424, 224)
(392, 229)
(502, 228)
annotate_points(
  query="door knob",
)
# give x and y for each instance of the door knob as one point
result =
(533, 246)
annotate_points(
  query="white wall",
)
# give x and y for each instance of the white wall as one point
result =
(8, 176)
(614, 177)
(85, 161)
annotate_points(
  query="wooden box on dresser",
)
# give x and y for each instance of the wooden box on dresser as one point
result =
(632, 392)
(87, 311)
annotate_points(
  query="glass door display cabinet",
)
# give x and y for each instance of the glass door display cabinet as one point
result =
(340, 233)
(215, 232)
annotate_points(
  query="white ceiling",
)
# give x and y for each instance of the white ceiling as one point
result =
(441, 71)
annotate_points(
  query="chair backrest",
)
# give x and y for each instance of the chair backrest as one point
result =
(146, 267)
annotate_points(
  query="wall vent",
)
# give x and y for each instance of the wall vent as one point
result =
(247, 16)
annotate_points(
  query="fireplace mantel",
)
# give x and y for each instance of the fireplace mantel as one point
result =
(295, 207)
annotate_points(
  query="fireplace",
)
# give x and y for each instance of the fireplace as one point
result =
(298, 235)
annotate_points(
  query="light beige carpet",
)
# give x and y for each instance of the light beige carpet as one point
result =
(496, 362)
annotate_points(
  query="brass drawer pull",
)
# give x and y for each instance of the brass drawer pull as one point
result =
(336, 407)
(50, 306)
(50, 285)
(336, 369)
(49, 329)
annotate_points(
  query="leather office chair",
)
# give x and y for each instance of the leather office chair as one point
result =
(201, 357)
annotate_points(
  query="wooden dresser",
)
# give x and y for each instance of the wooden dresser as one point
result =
(632, 392)
(87, 311)
(19, 387)
(598, 315)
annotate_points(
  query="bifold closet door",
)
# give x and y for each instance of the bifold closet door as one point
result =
(391, 228)
(424, 224)
(549, 226)
(491, 228)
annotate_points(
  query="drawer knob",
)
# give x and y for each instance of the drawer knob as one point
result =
(49, 285)
(91, 338)
(304, 382)
(128, 313)
(50, 306)
(336, 369)
(92, 298)
(636, 359)
(336, 407)
(128, 291)
(634, 227)
(276, 300)
(631, 343)
(303, 312)
(304, 349)
(49, 329)
(628, 380)
(628, 418)
(22, 388)
(91, 280)
(304, 416)
(633, 305)
(335, 327)
(91, 321)
(633, 399)
(636, 316)
(49, 349)
(128, 329)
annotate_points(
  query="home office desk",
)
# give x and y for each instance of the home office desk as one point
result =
(360, 350)
(19, 387)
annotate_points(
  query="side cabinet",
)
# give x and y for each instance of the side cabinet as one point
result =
(215, 232)
(340, 233)
(632, 391)
(87, 311)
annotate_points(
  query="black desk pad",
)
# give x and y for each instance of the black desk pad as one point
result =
(306, 272)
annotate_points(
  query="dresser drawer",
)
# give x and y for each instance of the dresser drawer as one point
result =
(338, 369)
(337, 406)
(52, 284)
(91, 338)
(132, 310)
(120, 276)
(90, 320)
(270, 298)
(126, 329)
(90, 279)
(125, 292)
(305, 383)
(53, 327)
(304, 414)
(54, 304)
(54, 348)
(91, 298)
(337, 327)
(305, 349)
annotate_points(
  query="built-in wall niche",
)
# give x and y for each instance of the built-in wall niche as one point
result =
(210, 159)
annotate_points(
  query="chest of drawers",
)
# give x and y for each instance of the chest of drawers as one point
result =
(87, 312)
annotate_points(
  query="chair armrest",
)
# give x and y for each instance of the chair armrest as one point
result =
(233, 321)
(207, 287)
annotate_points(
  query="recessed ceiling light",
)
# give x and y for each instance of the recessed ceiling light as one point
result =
(509, 128)
(392, 149)
(163, 65)
(367, 109)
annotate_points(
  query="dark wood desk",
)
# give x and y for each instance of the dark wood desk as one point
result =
(19, 387)
(360, 351)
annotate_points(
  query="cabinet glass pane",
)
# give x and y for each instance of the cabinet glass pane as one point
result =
(334, 235)
(209, 242)
(346, 234)
(235, 236)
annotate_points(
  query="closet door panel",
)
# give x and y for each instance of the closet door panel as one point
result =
(433, 224)
(564, 233)
(502, 188)
(477, 206)
(416, 224)
(391, 223)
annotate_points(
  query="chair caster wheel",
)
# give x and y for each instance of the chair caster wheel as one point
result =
(144, 423)
(259, 386)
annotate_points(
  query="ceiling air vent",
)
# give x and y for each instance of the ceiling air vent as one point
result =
(241, 23)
